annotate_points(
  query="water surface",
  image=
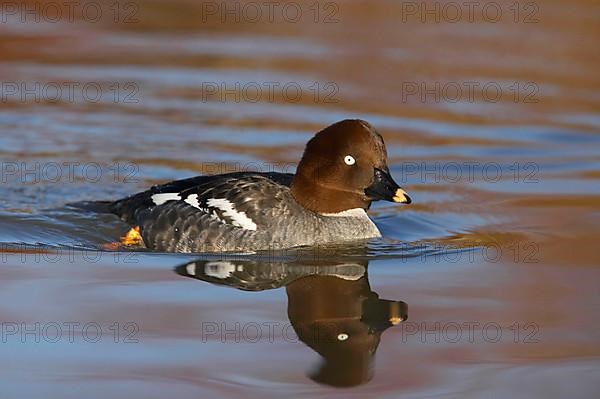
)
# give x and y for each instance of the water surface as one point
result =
(487, 285)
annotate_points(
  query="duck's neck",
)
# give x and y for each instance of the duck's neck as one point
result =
(324, 199)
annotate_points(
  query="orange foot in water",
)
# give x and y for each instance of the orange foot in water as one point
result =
(132, 238)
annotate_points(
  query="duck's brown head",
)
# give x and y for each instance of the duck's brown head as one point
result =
(344, 167)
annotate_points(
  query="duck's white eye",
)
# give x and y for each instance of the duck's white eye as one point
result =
(342, 337)
(349, 160)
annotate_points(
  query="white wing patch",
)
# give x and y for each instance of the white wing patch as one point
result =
(193, 200)
(160, 199)
(237, 218)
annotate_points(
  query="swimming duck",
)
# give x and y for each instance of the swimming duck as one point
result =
(343, 169)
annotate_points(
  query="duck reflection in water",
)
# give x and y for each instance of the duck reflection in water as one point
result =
(330, 306)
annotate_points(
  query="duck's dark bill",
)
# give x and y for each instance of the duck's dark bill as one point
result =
(386, 189)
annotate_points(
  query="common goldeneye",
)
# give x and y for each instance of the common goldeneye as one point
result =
(343, 169)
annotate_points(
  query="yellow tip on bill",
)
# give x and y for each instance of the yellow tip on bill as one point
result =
(401, 196)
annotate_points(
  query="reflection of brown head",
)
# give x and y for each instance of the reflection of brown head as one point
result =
(342, 320)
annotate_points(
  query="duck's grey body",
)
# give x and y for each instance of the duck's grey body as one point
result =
(240, 212)
(342, 171)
